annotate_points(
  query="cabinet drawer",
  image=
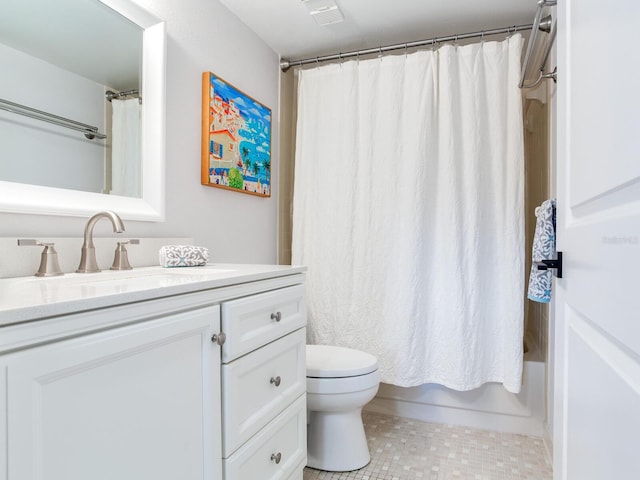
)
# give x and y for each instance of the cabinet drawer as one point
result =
(258, 386)
(259, 319)
(285, 436)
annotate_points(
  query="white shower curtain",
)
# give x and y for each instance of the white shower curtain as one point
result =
(408, 211)
(126, 148)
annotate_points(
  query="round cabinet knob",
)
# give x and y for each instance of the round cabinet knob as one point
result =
(275, 381)
(276, 316)
(276, 457)
(219, 338)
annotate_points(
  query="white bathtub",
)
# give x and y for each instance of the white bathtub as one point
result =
(489, 407)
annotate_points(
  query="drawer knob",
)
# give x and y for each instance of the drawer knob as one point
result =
(219, 338)
(275, 381)
(276, 457)
(276, 316)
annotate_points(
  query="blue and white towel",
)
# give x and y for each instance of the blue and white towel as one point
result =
(544, 248)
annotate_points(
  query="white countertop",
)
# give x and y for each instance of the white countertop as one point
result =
(31, 298)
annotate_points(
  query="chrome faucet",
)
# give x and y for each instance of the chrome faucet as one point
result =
(88, 263)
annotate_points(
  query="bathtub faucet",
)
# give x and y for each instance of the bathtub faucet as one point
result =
(88, 263)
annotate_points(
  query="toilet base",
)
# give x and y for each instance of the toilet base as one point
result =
(336, 441)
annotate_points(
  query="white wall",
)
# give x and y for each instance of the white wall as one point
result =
(202, 36)
(37, 84)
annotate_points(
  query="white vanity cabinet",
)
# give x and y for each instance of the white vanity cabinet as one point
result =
(189, 374)
(264, 385)
(137, 401)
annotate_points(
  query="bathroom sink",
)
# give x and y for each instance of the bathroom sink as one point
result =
(145, 274)
(29, 298)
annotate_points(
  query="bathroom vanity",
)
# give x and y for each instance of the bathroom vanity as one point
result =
(189, 373)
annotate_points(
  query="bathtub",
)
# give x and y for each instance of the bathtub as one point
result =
(489, 407)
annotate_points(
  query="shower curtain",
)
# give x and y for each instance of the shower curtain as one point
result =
(126, 149)
(408, 211)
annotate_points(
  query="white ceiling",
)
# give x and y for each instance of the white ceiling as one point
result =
(287, 27)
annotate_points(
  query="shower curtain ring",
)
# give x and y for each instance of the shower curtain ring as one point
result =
(405, 50)
(317, 62)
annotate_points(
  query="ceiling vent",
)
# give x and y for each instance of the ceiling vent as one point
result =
(324, 12)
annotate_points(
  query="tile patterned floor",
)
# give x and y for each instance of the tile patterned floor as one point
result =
(405, 449)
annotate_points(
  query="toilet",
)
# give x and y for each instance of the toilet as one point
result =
(340, 381)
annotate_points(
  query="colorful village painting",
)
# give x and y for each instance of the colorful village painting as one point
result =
(236, 139)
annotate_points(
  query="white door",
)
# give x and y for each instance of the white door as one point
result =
(597, 387)
(136, 402)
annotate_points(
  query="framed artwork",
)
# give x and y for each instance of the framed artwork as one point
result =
(236, 139)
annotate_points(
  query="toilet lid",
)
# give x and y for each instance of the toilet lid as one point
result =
(325, 361)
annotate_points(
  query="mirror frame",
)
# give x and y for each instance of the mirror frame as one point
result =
(34, 199)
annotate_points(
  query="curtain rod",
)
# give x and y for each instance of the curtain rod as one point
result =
(545, 26)
(110, 94)
(89, 131)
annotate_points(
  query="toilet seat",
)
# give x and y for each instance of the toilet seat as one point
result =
(328, 361)
(330, 386)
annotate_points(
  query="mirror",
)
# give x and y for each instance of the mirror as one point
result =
(63, 170)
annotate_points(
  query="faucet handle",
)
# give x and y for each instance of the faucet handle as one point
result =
(49, 266)
(121, 258)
